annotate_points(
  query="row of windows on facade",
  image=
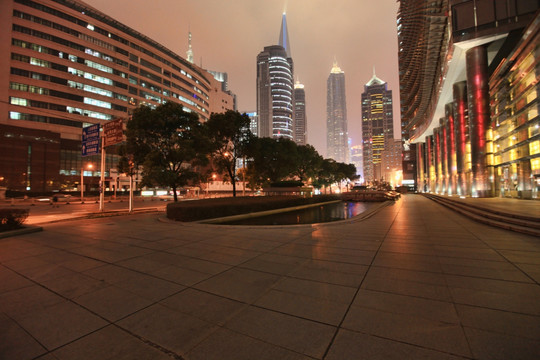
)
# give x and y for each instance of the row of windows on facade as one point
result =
(116, 37)
(132, 79)
(101, 55)
(104, 80)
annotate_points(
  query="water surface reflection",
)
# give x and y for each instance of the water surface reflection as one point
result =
(318, 214)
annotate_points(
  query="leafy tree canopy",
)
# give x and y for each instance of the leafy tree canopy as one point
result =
(229, 135)
(272, 160)
(168, 142)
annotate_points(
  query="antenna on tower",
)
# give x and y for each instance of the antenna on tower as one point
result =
(189, 53)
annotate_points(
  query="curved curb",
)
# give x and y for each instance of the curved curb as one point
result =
(28, 229)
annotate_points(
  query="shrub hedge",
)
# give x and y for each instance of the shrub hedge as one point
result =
(11, 219)
(220, 207)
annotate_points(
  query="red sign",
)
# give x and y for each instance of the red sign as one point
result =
(113, 132)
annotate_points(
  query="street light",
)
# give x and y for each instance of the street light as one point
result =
(89, 167)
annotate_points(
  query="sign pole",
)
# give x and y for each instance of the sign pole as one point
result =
(130, 193)
(102, 177)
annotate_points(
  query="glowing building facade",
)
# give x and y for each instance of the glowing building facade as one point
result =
(300, 118)
(65, 65)
(469, 96)
(275, 106)
(378, 131)
(337, 138)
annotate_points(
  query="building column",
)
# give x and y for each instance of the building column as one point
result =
(420, 156)
(479, 118)
(450, 148)
(444, 154)
(461, 134)
(430, 167)
(524, 175)
(437, 159)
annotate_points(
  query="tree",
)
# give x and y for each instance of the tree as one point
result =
(272, 160)
(334, 172)
(168, 142)
(229, 133)
(326, 174)
(345, 172)
(308, 162)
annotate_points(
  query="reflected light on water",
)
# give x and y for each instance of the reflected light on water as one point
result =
(318, 214)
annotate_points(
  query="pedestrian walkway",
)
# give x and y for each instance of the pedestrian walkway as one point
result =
(413, 281)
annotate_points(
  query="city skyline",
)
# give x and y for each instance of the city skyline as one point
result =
(318, 31)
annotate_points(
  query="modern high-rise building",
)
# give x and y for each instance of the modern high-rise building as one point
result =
(357, 158)
(65, 65)
(469, 96)
(377, 129)
(336, 116)
(275, 88)
(300, 119)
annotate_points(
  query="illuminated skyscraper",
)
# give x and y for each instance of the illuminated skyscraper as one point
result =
(300, 120)
(275, 89)
(336, 119)
(377, 127)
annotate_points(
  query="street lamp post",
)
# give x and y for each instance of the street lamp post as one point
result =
(89, 166)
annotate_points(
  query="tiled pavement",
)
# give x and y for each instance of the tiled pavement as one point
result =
(414, 281)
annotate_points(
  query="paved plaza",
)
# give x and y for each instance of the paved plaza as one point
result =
(413, 281)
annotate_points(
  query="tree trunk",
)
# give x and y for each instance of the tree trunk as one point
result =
(232, 174)
(175, 196)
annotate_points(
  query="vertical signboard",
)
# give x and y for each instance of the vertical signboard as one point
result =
(90, 140)
(113, 132)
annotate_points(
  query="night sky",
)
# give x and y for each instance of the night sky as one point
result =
(227, 35)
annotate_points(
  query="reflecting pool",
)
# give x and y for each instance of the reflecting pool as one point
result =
(313, 215)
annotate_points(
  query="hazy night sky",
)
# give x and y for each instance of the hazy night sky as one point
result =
(227, 35)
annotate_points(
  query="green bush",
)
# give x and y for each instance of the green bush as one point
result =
(12, 218)
(215, 208)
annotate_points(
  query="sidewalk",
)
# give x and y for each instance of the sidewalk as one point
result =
(413, 281)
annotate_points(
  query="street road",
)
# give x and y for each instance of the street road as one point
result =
(43, 211)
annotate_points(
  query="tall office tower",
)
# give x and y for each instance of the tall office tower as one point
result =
(275, 88)
(357, 156)
(377, 126)
(336, 116)
(466, 71)
(300, 119)
(65, 65)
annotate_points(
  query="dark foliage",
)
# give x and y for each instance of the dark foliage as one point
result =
(11, 219)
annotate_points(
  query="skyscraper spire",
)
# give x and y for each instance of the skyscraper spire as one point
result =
(189, 53)
(335, 68)
(284, 36)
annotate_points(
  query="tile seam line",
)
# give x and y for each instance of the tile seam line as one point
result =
(107, 321)
(452, 299)
(252, 303)
(394, 215)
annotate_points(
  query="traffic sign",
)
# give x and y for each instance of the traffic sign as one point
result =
(90, 140)
(113, 132)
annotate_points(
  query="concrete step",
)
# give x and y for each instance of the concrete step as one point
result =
(524, 224)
